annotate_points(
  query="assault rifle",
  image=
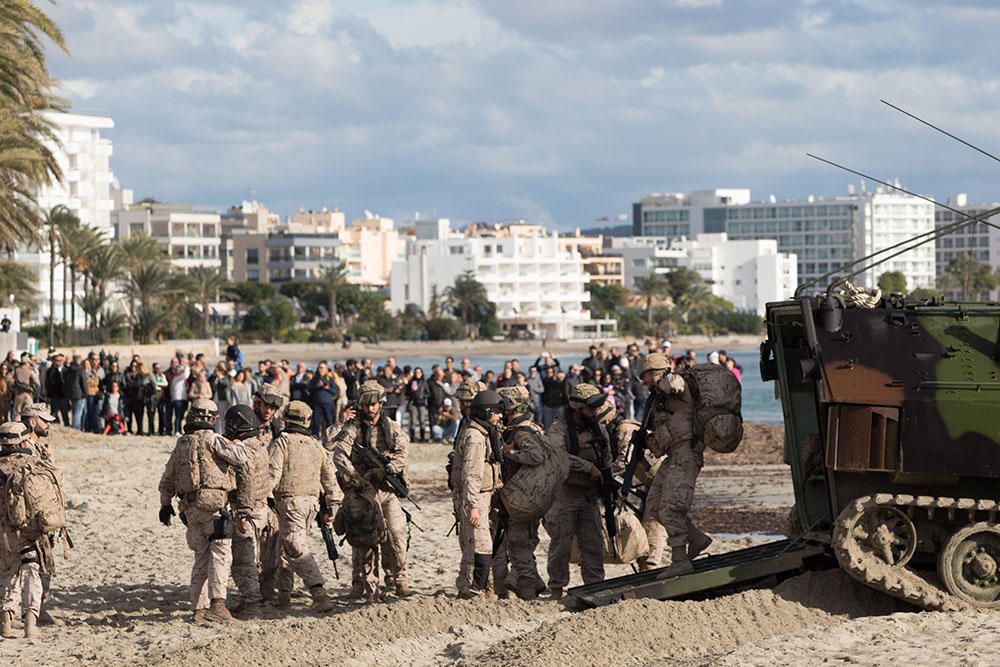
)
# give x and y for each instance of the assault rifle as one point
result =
(608, 487)
(375, 459)
(636, 457)
(327, 532)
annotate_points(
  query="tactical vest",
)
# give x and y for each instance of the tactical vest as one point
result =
(491, 479)
(581, 445)
(258, 486)
(33, 499)
(300, 475)
(380, 438)
(197, 468)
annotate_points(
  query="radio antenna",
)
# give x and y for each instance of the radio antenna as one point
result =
(944, 132)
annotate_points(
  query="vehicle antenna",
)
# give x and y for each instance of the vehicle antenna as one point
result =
(944, 132)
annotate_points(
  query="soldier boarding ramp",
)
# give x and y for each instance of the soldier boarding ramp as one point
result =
(712, 574)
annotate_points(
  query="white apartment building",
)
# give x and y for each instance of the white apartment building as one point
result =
(749, 274)
(824, 234)
(84, 157)
(189, 237)
(536, 286)
(980, 241)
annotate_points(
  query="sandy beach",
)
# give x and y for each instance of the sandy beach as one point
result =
(123, 591)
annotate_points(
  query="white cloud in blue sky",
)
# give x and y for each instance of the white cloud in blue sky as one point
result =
(559, 111)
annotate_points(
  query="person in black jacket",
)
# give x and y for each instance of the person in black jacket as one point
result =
(55, 389)
(323, 393)
(75, 390)
(416, 396)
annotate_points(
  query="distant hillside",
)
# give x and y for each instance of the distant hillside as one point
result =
(616, 230)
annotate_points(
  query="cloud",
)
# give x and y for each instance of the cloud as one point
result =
(558, 110)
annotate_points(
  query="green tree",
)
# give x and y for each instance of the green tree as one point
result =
(252, 294)
(204, 285)
(103, 268)
(331, 282)
(272, 319)
(138, 252)
(470, 299)
(606, 300)
(968, 277)
(78, 244)
(651, 288)
(56, 219)
(19, 281)
(144, 287)
(892, 282)
(923, 294)
(688, 291)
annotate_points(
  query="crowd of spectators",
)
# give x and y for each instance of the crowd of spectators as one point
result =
(96, 393)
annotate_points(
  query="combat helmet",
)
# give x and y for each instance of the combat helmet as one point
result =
(515, 398)
(654, 361)
(485, 403)
(241, 423)
(203, 411)
(269, 394)
(371, 392)
(468, 390)
(298, 413)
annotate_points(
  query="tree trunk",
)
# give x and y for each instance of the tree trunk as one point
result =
(52, 286)
(204, 318)
(65, 269)
(649, 311)
(72, 295)
(332, 307)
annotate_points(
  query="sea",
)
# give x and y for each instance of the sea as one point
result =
(759, 403)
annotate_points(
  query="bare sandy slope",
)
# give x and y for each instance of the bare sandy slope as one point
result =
(123, 593)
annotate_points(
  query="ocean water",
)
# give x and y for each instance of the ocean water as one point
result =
(759, 404)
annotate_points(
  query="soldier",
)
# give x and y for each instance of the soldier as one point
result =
(21, 568)
(465, 392)
(475, 476)
(673, 436)
(253, 514)
(300, 469)
(201, 472)
(376, 429)
(576, 511)
(36, 417)
(522, 447)
(26, 384)
(267, 403)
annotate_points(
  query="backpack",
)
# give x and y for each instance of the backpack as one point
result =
(360, 520)
(531, 490)
(631, 541)
(718, 400)
(33, 500)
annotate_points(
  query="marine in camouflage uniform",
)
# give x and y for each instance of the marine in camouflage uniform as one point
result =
(673, 436)
(37, 418)
(464, 393)
(20, 569)
(252, 513)
(201, 473)
(576, 511)
(300, 469)
(475, 477)
(26, 384)
(389, 439)
(268, 404)
(522, 446)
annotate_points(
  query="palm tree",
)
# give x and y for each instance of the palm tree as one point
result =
(58, 218)
(78, 245)
(103, 268)
(688, 291)
(469, 296)
(652, 288)
(144, 287)
(140, 251)
(203, 285)
(19, 281)
(331, 281)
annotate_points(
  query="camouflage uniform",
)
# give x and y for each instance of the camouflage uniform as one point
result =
(673, 436)
(576, 511)
(464, 393)
(268, 543)
(388, 438)
(260, 524)
(300, 468)
(524, 449)
(25, 384)
(644, 475)
(216, 459)
(475, 477)
(20, 569)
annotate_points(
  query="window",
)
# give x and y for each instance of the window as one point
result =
(253, 256)
(253, 275)
(456, 250)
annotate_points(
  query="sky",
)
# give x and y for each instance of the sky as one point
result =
(555, 111)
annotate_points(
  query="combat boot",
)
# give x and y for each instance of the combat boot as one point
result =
(679, 564)
(45, 618)
(218, 612)
(321, 602)
(199, 615)
(283, 599)
(555, 593)
(352, 596)
(7, 625)
(697, 542)
(30, 625)
(247, 611)
(403, 590)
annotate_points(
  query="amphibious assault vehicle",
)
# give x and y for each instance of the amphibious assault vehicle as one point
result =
(892, 436)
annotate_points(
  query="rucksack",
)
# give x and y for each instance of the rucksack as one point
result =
(360, 520)
(33, 500)
(631, 541)
(531, 490)
(718, 401)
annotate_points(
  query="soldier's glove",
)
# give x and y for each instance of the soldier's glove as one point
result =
(352, 481)
(166, 512)
(375, 476)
